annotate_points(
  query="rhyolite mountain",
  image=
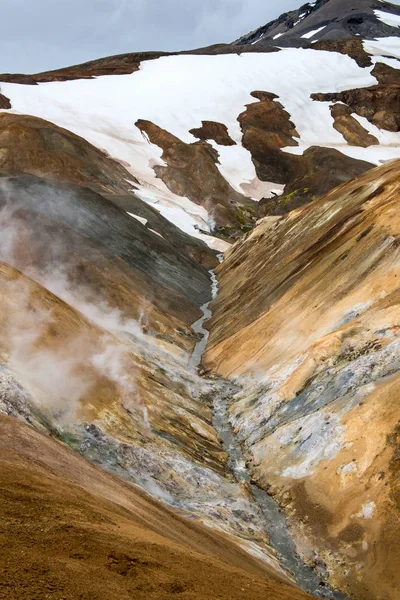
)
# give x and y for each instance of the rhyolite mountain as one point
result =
(199, 325)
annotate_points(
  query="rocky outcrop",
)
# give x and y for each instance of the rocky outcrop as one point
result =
(379, 104)
(267, 128)
(210, 130)
(385, 74)
(318, 171)
(192, 171)
(4, 102)
(353, 47)
(308, 317)
(352, 131)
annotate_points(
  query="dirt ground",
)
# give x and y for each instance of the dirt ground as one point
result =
(70, 531)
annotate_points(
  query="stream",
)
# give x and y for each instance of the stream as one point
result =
(307, 578)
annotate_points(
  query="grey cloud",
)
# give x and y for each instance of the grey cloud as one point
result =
(45, 34)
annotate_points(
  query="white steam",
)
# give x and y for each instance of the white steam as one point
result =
(58, 367)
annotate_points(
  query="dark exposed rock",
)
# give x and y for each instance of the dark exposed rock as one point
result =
(267, 129)
(192, 247)
(4, 102)
(192, 171)
(379, 104)
(352, 131)
(353, 47)
(210, 130)
(319, 171)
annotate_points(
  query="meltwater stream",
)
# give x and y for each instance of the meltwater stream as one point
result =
(275, 523)
(198, 327)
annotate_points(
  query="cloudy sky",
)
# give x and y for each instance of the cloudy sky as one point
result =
(44, 34)
(37, 35)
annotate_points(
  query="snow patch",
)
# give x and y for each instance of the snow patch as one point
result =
(157, 233)
(387, 46)
(140, 219)
(388, 18)
(311, 34)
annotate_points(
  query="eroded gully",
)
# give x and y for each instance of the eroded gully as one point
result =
(307, 578)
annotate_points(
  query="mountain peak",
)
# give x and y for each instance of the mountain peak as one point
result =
(325, 20)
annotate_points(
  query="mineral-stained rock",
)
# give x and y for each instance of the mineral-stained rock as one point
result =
(309, 306)
(111, 539)
(37, 147)
(95, 341)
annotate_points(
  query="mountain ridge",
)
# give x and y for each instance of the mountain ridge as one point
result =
(340, 19)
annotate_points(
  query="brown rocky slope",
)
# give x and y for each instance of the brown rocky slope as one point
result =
(308, 317)
(69, 530)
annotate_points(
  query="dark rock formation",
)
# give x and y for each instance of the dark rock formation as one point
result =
(210, 130)
(318, 171)
(104, 250)
(267, 129)
(192, 171)
(4, 102)
(352, 131)
(379, 104)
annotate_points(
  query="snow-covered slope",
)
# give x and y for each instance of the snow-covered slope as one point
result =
(178, 92)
